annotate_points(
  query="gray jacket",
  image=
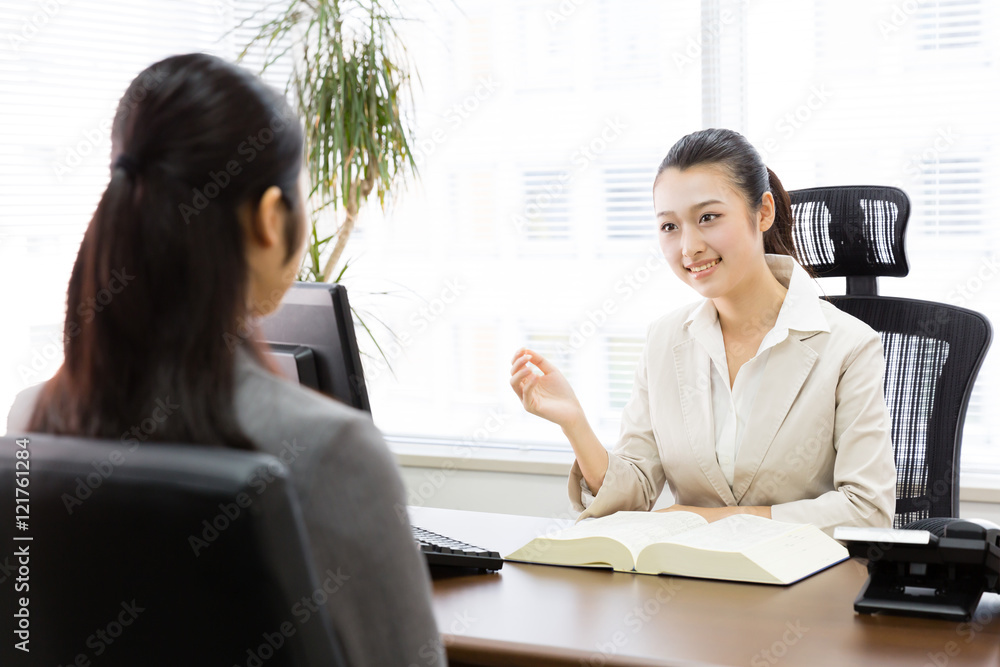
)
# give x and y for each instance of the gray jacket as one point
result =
(354, 506)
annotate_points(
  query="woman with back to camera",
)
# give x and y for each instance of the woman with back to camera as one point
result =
(761, 398)
(204, 218)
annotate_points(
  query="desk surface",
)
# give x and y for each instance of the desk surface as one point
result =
(545, 615)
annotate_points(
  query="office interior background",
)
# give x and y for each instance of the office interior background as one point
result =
(539, 127)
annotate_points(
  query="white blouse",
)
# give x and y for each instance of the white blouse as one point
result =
(731, 407)
(810, 437)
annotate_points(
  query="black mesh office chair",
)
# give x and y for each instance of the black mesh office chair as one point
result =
(933, 351)
(165, 555)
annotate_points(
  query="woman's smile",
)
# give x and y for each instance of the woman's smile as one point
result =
(705, 269)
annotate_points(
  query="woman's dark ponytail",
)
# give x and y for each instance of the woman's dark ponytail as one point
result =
(159, 289)
(778, 239)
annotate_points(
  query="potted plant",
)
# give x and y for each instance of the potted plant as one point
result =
(350, 81)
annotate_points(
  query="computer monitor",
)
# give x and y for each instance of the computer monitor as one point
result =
(295, 362)
(314, 320)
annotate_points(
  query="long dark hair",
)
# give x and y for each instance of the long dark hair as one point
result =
(742, 164)
(159, 289)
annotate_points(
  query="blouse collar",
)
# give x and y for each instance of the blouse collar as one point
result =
(800, 311)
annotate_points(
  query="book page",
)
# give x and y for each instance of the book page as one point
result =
(735, 533)
(797, 554)
(635, 529)
(744, 547)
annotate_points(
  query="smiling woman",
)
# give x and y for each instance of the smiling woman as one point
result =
(791, 385)
(716, 223)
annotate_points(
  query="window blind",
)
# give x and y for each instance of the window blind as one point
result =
(895, 93)
(63, 67)
(830, 91)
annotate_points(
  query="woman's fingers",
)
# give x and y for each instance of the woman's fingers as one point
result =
(535, 358)
(542, 363)
(525, 361)
(519, 362)
(523, 351)
(516, 381)
(527, 368)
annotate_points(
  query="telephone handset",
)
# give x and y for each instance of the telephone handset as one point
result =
(936, 567)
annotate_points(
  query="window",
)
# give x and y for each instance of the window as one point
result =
(622, 356)
(477, 346)
(948, 203)
(539, 126)
(543, 44)
(723, 48)
(556, 346)
(473, 211)
(546, 206)
(548, 174)
(869, 96)
(949, 24)
(63, 68)
(627, 47)
(628, 201)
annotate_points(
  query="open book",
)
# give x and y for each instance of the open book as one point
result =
(741, 547)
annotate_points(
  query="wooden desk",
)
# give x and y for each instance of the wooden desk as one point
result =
(546, 615)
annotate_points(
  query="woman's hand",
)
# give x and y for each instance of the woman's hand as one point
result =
(548, 396)
(711, 514)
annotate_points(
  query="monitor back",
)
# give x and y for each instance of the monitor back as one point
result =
(318, 316)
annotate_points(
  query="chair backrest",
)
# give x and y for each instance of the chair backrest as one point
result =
(933, 351)
(158, 554)
(855, 231)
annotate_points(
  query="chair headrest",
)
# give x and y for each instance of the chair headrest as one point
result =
(851, 230)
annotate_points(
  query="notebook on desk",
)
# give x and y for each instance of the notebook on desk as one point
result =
(312, 341)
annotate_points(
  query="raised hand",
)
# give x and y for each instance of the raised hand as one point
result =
(544, 392)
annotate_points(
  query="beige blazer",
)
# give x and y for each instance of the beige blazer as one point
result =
(816, 448)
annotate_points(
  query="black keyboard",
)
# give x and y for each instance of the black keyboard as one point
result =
(441, 550)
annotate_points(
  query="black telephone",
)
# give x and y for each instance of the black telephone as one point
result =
(937, 567)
